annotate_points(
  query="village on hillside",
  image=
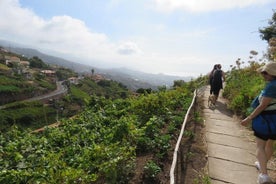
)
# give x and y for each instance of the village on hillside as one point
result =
(15, 65)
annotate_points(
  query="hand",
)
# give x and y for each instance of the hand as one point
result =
(245, 121)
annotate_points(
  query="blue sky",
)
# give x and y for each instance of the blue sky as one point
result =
(176, 37)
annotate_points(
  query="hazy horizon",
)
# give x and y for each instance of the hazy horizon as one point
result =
(181, 38)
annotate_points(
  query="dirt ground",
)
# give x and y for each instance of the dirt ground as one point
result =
(195, 170)
(192, 157)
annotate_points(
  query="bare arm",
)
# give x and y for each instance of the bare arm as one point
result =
(263, 104)
(223, 76)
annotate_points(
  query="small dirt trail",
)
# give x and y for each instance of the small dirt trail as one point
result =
(49, 126)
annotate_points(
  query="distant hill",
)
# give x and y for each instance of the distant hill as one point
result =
(123, 74)
(132, 79)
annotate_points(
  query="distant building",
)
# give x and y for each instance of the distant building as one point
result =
(12, 60)
(16, 61)
(97, 77)
(3, 50)
(49, 73)
(25, 63)
(18, 66)
(73, 80)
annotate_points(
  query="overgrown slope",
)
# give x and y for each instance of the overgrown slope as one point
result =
(100, 144)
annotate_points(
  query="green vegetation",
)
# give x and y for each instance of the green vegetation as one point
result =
(14, 86)
(202, 180)
(243, 85)
(36, 62)
(18, 82)
(65, 73)
(105, 87)
(26, 114)
(100, 144)
(4, 67)
(151, 170)
(78, 97)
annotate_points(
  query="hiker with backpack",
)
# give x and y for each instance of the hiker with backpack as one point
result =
(216, 78)
(211, 78)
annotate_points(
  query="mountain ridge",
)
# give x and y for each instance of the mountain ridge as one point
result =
(131, 78)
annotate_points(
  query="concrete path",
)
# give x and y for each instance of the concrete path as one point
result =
(231, 147)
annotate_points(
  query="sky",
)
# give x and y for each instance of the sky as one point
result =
(174, 37)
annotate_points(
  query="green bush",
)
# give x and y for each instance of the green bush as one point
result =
(151, 170)
(242, 86)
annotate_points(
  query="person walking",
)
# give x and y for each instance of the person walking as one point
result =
(217, 81)
(211, 74)
(263, 119)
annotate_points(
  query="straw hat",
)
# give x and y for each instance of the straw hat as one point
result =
(270, 68)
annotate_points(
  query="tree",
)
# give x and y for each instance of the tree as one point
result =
(144, 91)
(272, 48)
(178, 83)
(269, 34)
(36, 62)
(269, 31)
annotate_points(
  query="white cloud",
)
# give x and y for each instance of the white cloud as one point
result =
(205, 5)
(128, 48)
(16, 20)
(69, 34)
(63, 34)
(60, 33)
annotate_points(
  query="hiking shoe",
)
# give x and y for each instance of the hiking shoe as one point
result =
(264, 179)
(257, 165)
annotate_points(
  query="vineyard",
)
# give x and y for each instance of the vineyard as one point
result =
(99, 145)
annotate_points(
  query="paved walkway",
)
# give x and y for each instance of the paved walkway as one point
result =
(231, 147)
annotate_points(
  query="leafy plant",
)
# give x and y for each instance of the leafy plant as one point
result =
(151, 169)
(243, 85)
(205, 179)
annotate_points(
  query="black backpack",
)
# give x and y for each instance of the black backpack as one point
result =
(217, 75)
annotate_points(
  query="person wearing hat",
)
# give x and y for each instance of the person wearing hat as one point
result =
(263, 119)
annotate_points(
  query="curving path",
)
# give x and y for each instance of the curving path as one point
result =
(61, 89)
